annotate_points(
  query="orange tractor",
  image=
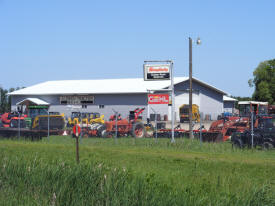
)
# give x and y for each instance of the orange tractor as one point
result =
(13, 120)
(132, 126)
(221, 130)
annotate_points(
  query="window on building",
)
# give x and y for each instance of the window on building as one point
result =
(101, 106)
(77, 99)
(84, 106)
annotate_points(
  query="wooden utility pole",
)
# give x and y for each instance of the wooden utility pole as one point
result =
(190, 90)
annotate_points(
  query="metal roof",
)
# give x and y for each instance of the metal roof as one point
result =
(101, 86)
(33, 100)
(253, 102)
(229, 99)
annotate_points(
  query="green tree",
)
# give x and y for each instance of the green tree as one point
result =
(264, 82)
(3, 100)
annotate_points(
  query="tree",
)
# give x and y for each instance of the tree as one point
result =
(264, 82)
(5, 100)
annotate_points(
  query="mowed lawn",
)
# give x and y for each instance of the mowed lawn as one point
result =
(135, 172)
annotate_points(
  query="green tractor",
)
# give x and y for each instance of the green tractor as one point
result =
(38, 118)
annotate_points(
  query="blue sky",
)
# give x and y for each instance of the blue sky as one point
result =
(55, 40)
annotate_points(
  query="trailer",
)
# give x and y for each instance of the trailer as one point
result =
(27, 133)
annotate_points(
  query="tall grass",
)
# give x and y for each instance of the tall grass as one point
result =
(133, 172)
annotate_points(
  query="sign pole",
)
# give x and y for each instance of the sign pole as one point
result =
(76, 131)
(77, 150)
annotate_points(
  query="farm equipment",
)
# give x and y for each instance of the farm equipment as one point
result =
(263, 134)
(38, 119)
(12, 120)
(221, 130)
(36, 123)
(74, 119)
(184, 113)
(132, 126)
(85, 118)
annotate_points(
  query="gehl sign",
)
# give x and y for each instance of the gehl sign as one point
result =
(156, 72)
(158, 98)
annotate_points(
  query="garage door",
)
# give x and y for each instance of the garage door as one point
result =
(183, 98)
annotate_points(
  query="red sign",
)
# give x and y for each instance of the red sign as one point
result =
(156, 72)
(158, 98)
(76, 130)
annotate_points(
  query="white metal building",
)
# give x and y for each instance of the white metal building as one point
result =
(121, 95)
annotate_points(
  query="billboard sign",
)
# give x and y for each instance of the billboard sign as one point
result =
(156, 72)
(158, 98)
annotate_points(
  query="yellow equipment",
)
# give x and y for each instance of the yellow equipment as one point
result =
(97, 119)
(38, 118)
(74, 119)
(85, 118)
(184, 113)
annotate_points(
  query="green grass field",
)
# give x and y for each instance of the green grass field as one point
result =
(131, 171)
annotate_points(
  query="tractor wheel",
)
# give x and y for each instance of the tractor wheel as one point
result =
(106, 134)
(238, 144)
(14, 123)
(138, 130)
(100, 129)
(267, 146)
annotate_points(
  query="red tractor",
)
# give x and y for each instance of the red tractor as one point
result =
(221, 130)
(12, 120)
(123, 127)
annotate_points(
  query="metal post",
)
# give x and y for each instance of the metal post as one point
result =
(156, 128)
(48, 125)
(252, 130)
(148, 109)
(19, 125)
(200, 129)
(81, 133)
(190, 90)
(116, 123)
(173, 102)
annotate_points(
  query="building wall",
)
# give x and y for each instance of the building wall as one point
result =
(122, 103)
(209, 102)
(228, 106)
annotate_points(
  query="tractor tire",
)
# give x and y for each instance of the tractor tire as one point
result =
(13, 123)
(267, 146)
(100, 129)
(138, 130)
(106, 134)
(238, 143)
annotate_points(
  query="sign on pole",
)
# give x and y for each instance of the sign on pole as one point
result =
(156, 72)
(158, 98)
(76, 130)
